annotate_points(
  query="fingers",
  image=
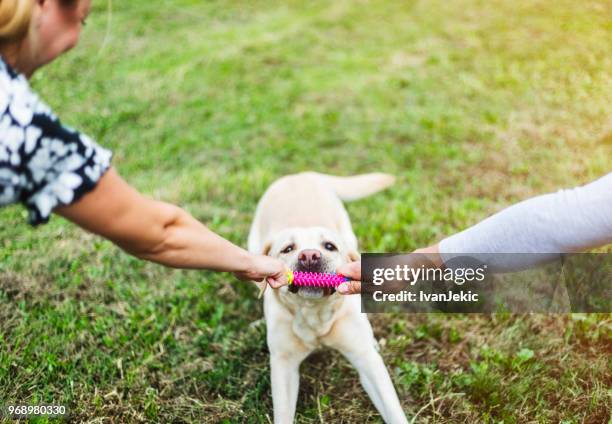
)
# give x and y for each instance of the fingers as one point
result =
(268, 269)
(350, 287)
(351, 270)
(277, 281)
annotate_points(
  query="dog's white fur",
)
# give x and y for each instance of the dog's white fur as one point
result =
(305, 211)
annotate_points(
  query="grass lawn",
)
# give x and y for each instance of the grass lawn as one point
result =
(472, 104)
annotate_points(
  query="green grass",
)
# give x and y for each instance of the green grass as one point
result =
(472, 104)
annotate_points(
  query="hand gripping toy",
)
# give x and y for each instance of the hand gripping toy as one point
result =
(315, 279)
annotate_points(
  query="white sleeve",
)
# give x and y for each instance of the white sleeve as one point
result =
(567, 221)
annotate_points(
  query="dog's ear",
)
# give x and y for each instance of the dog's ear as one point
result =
(353, 256)
(263, 285)
(266, 248)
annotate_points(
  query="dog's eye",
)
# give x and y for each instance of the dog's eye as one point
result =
(330, 246)
(288, 249)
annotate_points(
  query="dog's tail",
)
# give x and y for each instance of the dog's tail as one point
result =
(357, 186)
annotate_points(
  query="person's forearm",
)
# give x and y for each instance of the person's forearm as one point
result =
(184, 242)
(153, 230)
(562, 222)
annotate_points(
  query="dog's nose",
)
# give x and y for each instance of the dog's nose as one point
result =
(309, 257)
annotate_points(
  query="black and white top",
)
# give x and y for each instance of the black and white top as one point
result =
(43, 163)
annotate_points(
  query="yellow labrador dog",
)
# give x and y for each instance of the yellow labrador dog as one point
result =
(301, 220)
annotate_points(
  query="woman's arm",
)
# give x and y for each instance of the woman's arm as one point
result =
(539, 228)
(163, 233)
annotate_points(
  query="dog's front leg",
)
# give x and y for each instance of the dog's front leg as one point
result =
(353, 337)
(285, 381)
(377, 383)
(286, 354)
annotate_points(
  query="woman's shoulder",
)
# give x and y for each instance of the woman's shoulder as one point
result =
(43, 163)
(17, 98)
(7, 69)
(11, 80)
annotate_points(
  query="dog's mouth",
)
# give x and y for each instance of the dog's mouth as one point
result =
(312, 292)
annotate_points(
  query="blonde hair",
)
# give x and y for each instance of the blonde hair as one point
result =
(14, 19)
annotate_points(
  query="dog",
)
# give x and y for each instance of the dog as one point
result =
(301, 220)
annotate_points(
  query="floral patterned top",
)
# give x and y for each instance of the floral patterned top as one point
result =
(43, 163)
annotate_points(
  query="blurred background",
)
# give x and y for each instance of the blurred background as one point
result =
(473, 104)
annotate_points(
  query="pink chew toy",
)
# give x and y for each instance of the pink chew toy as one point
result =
(315, 279)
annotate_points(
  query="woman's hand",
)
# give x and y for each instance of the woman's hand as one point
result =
(428, 256)
(432, 253)
(351, 270)
(264, 267)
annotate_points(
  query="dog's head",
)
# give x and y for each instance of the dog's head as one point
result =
(312, 249)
